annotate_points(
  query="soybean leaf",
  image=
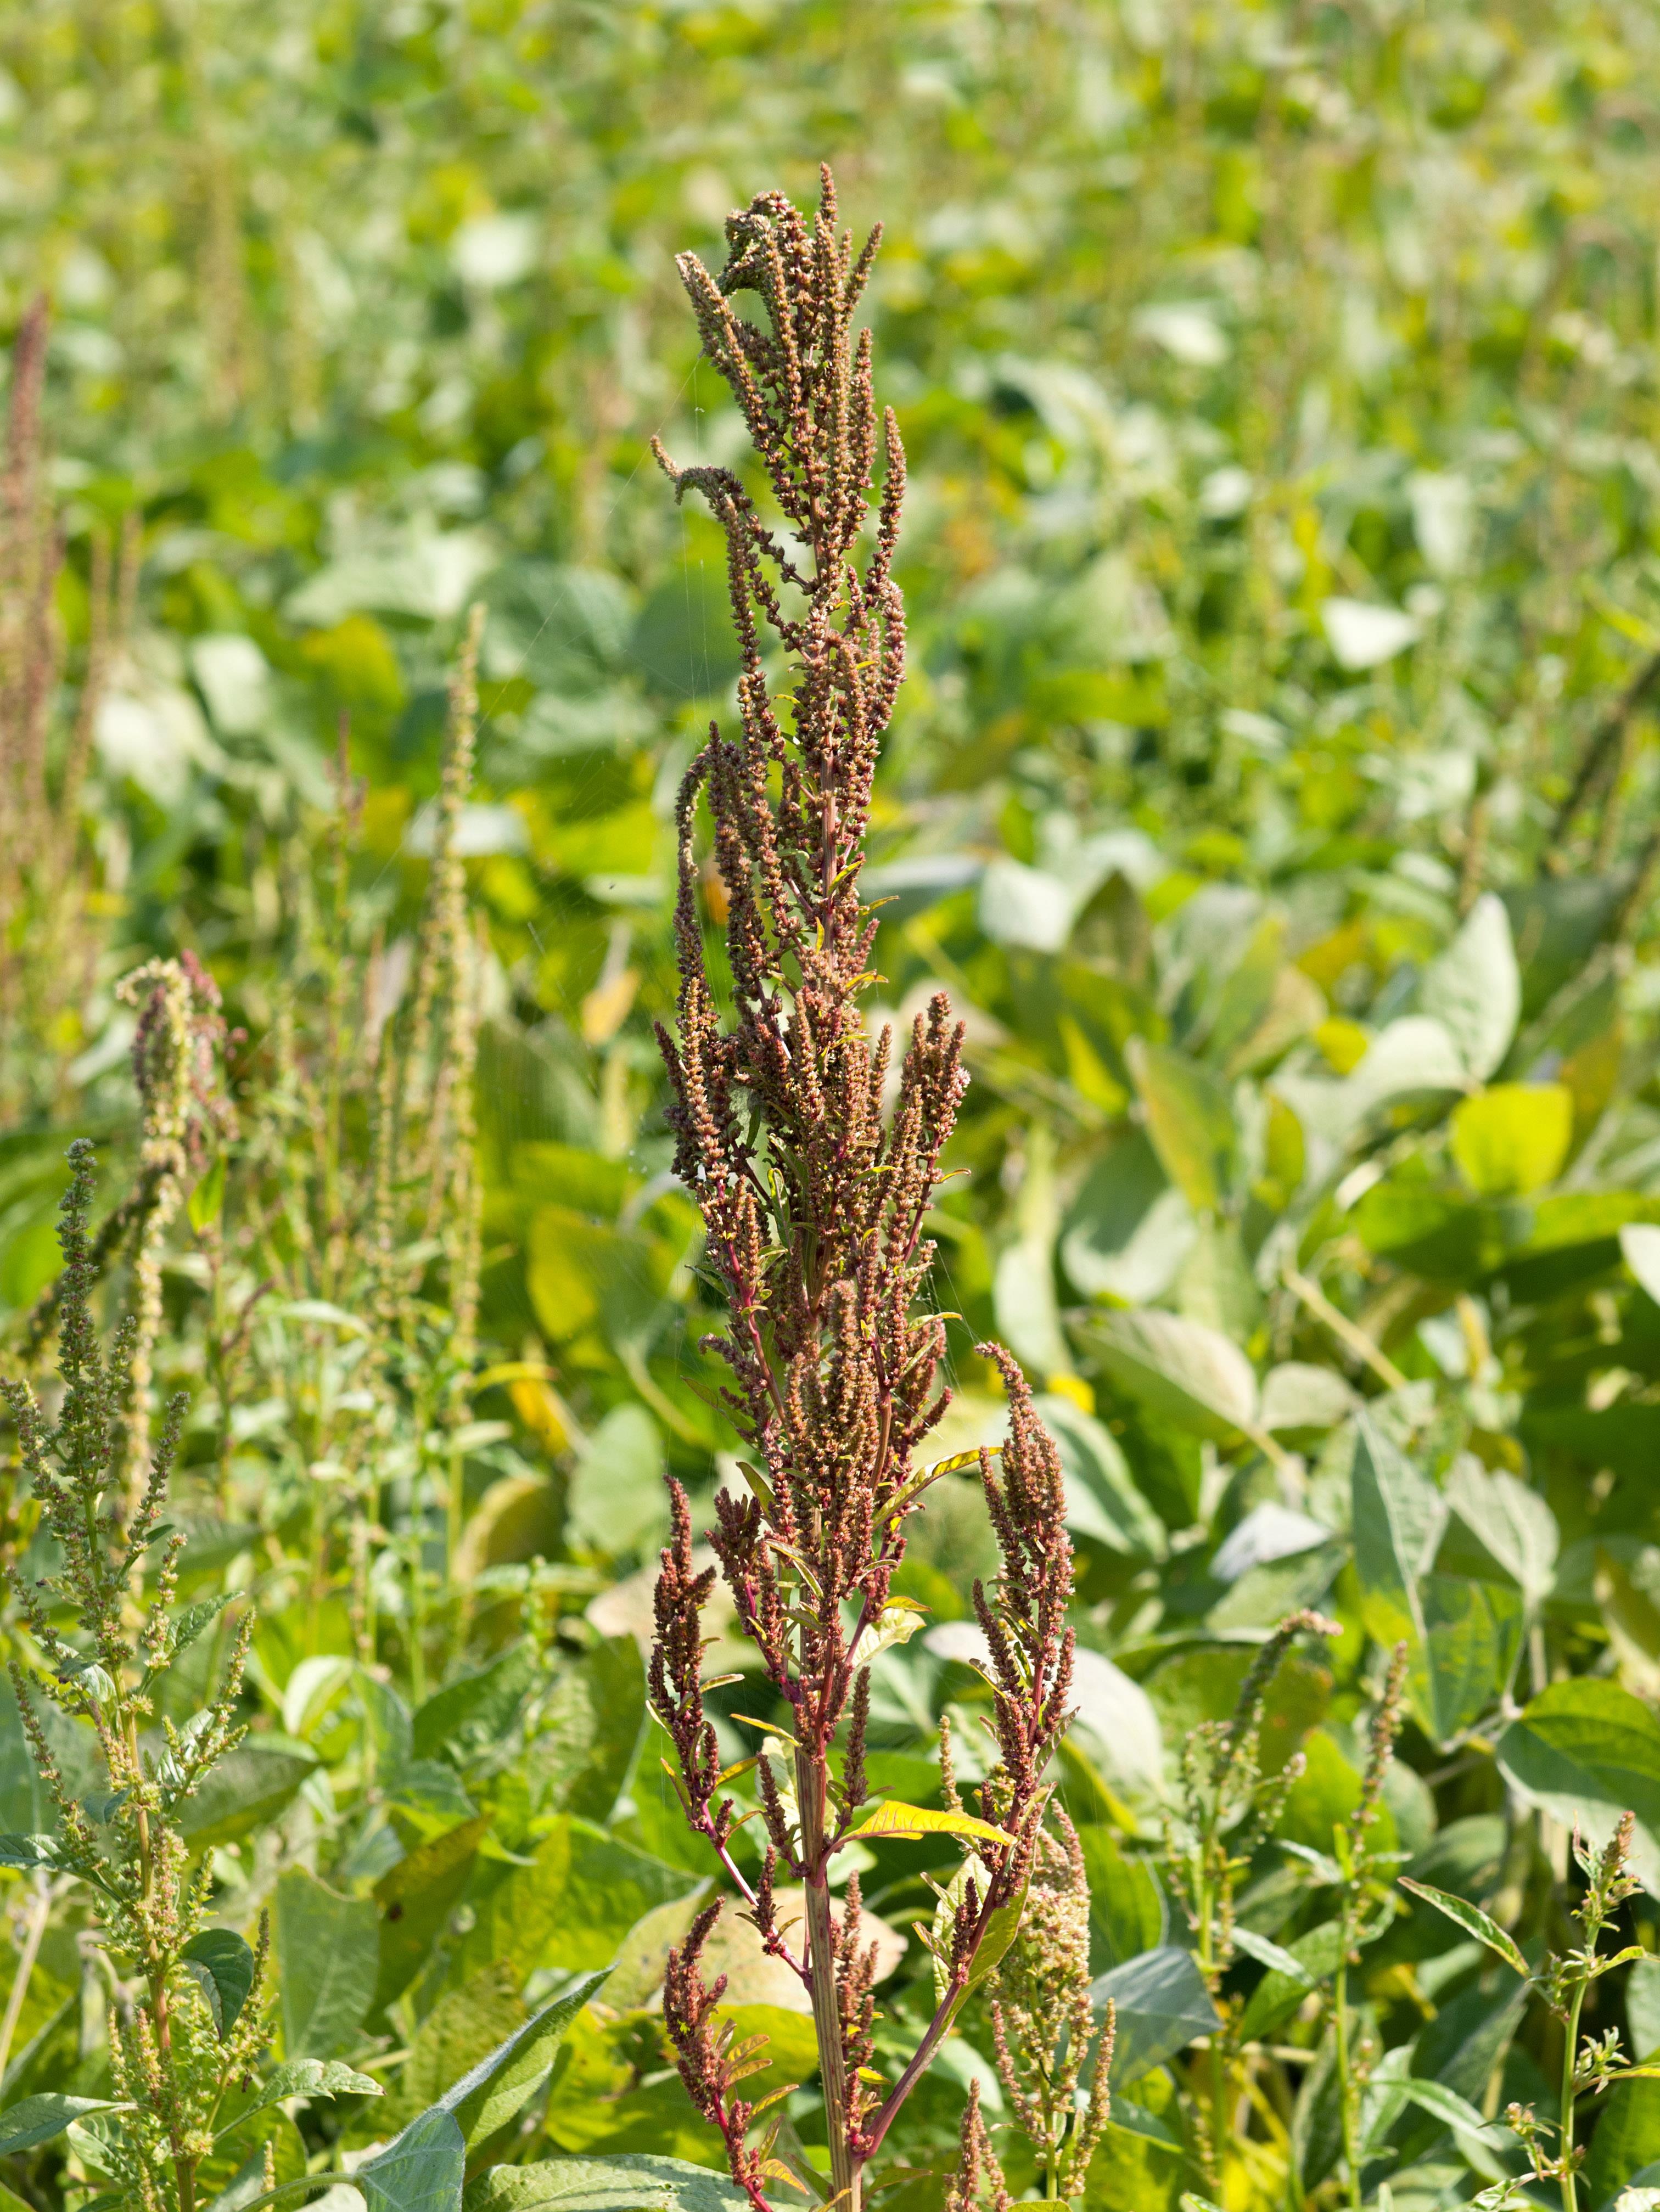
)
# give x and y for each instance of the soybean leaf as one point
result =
(30, 1852)
(1189, 1121)
(1587, 1751)
(488, 2100)
(223, 1966)
(245, 1790)
(470, 1714)
(1128, 1913)
(1398, 1516)
(38, 2119)
(328, 1956)
(1179, 1368)
(420, 2170)
(1161, 2003)
(1512, 1524)
(633, 2181)
(1474, 988)
(588, 1728)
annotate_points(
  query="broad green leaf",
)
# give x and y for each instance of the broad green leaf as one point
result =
(249, 1787)
(475, 1712)
(641, 1961)
(38, 2119)
(488, 2100)
(1471, 1918)
(207, 1198)
(1587, 1751)
(468, 2024)
(570, 1907)
(31, 1853)
(420, 2170)
(1296, 1396)
(1161, 2004)
(633, 2181)
(1398, 1516)
(1128, 1914)
(1474, 987)
(1639, 1247)
(415, 1898)
(320, 1310)
(1473, 1641)
(1129, 1228)
(916, 1821)
(222, 1965)
(1513, 1523)
(1324, 1796)
(1512, 1139)
(1471, 2033)
(617, 1502)
(1643, 2008)
(328, 1954)
(588, 1730)
(1116, 1724)
(1102, 1498)
(1189, 1121)
(1024, 1304)
(1627, 2139)
(1179, 1368)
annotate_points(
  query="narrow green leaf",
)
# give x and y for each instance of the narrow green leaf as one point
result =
(1446, 2105)
(1471, 1918)
(1272, 1955)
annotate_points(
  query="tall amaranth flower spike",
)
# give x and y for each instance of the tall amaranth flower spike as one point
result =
(814, 1201)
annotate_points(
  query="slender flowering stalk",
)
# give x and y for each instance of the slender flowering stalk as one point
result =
(192, 2018)
(1227, 1806)
(1359, 1863)
(175, 1061)
(1043, 2023)
(814, 1204)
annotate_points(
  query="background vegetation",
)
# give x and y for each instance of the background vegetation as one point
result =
(1273, 792)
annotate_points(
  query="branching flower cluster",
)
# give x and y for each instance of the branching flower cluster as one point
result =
(188, 2020)
(1043, 2022)
(814, 1200)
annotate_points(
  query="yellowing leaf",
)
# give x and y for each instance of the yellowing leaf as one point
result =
(914, 1821)
(1343, 1044)
(1513, 1138)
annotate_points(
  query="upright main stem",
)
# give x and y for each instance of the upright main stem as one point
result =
(1569, 2180)
(1345, 2096)
(846, 2172)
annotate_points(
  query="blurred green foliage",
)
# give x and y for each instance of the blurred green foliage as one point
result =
(1274, 791)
